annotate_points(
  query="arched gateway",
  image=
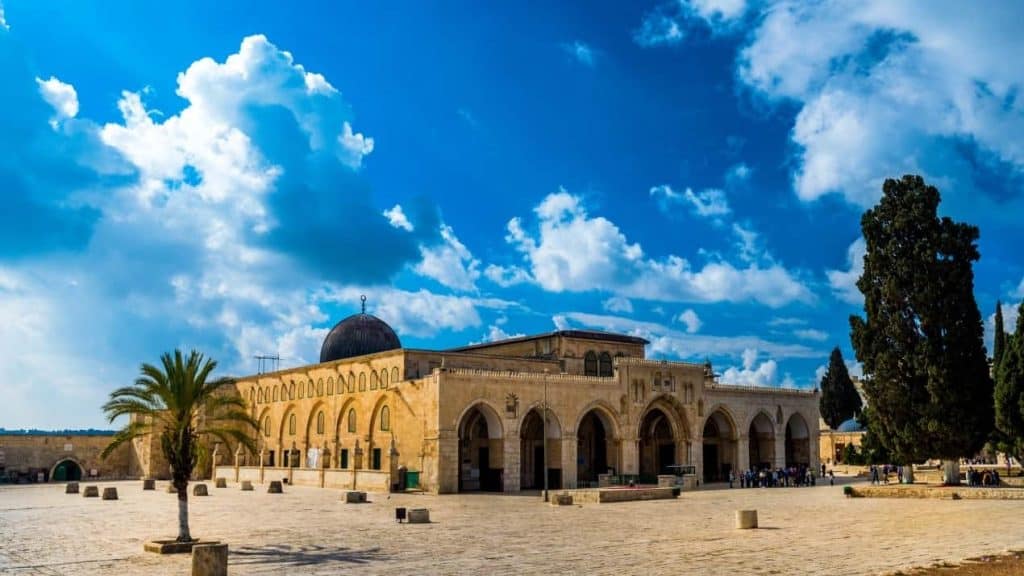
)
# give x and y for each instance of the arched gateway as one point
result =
(480, 450)
(719, 446)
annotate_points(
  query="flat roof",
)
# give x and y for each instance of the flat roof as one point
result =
(581, 334)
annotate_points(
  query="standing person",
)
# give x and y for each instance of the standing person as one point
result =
(822, 469)
(732, 478)
(831, 477)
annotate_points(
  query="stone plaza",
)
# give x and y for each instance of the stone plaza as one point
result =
(309, 530)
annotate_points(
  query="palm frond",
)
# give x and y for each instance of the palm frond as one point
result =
(132, 430)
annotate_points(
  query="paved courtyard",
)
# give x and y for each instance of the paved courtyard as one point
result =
(310, 531)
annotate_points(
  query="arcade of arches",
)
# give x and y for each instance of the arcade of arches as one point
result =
(570, 407)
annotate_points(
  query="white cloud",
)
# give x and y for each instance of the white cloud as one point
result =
(449, 262)
(1019, 291)
(753, 374)
(718, 9)
(707, 203)
(60, 95)
(786, 321)
(685, 346)
(886, 88)
(581, 52)
(506, 276)
(573, 251)
(690, 319)
(658, 28)
(3, 21)
(666, 24)
(618, 304)
(811, 334)
(1010, 312)
(738, 173)
(844, 282)
(495, 334)
(396, 217)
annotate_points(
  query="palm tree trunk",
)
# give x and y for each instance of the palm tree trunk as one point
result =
(183, 533)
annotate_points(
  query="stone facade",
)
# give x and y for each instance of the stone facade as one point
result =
(56, 457)
(472, 418)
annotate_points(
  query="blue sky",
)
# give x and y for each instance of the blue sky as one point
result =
(233, 176)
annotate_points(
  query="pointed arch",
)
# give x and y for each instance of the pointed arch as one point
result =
(604, 411)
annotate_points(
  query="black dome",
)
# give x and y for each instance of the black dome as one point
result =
(357, 335)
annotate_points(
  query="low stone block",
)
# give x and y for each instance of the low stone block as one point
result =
(173, 546)
(91, 492)
(275, 487)
(355, 497)
(746, 519)
(210, 560)
(148, 484)
(200, 490)
(71, 488)
(419, 516)
(246, 486)
(221, 483)
(110, 493)
(561, 500)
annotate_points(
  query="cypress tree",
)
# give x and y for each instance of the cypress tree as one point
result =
(1000, 337)
(921, 340)
(1009, 391)
(839, 398)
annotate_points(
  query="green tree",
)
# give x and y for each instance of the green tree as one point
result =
(839, 398)
(1009, 390)
(921, 341)
(1000, 337)
(183, 405)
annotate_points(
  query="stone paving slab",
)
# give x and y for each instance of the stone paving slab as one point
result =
(311, 531)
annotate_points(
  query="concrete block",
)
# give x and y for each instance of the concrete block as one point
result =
(275, 487)
(148, 484)
(419, 516)
(222, 483)
(746, 519)
(200, 490)
(561, 499)
(210, 560)
(71, 488)
(110, 493)
(91, 492)
(355, 497)
(246, 486)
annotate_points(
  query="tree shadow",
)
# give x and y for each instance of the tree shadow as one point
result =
(285, 555)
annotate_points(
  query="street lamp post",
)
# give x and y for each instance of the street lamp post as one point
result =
(544, 441)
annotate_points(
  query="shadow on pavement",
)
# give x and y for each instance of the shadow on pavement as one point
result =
(284, 555)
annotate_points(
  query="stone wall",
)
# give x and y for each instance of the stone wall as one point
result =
(33, 454)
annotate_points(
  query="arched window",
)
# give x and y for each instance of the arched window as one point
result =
(275, 393)
(291, 424)
(302, 390)
(330, 386)
(351, 382)
(385, 419)
(320, 387)
(394, 375)
(266, 426)
(310, 389)
(362, 381)
(252, 396)
(384, 378)
(352, 420)
(320, 423)
(373, 380)
(590, 363)
(605, 368)
(291, 391)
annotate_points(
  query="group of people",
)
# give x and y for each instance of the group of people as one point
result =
(880, 474)
(979, 478)
(779, 477)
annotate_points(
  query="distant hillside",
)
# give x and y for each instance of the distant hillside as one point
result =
(35, 432)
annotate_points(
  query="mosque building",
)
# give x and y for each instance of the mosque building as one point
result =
(372, 415)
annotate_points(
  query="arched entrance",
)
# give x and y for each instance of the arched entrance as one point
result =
(531, 452)
(480, 450)
(719, 447)
(798, 442)
(762, 442)
(594, 448)
(66, 471)
(657, 445)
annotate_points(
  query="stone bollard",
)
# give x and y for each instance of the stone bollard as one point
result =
(91, 492)
(354, 497)
(246, 486)
(419, 516)
(200, 490)
(148, 484)
(210, 560)
(110, 493)
(275, 487)
(71, 488)
(222, 483)
(746, 519)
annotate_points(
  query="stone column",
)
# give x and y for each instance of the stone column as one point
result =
(630, 456)
(513, 462)
(780, 449)
(697, 459)
(448, 462)
(261, 468)
(238, 458)
(743, 453)
(569, 455)
(814, 447)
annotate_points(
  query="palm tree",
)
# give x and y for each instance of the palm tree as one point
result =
(182, 406)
